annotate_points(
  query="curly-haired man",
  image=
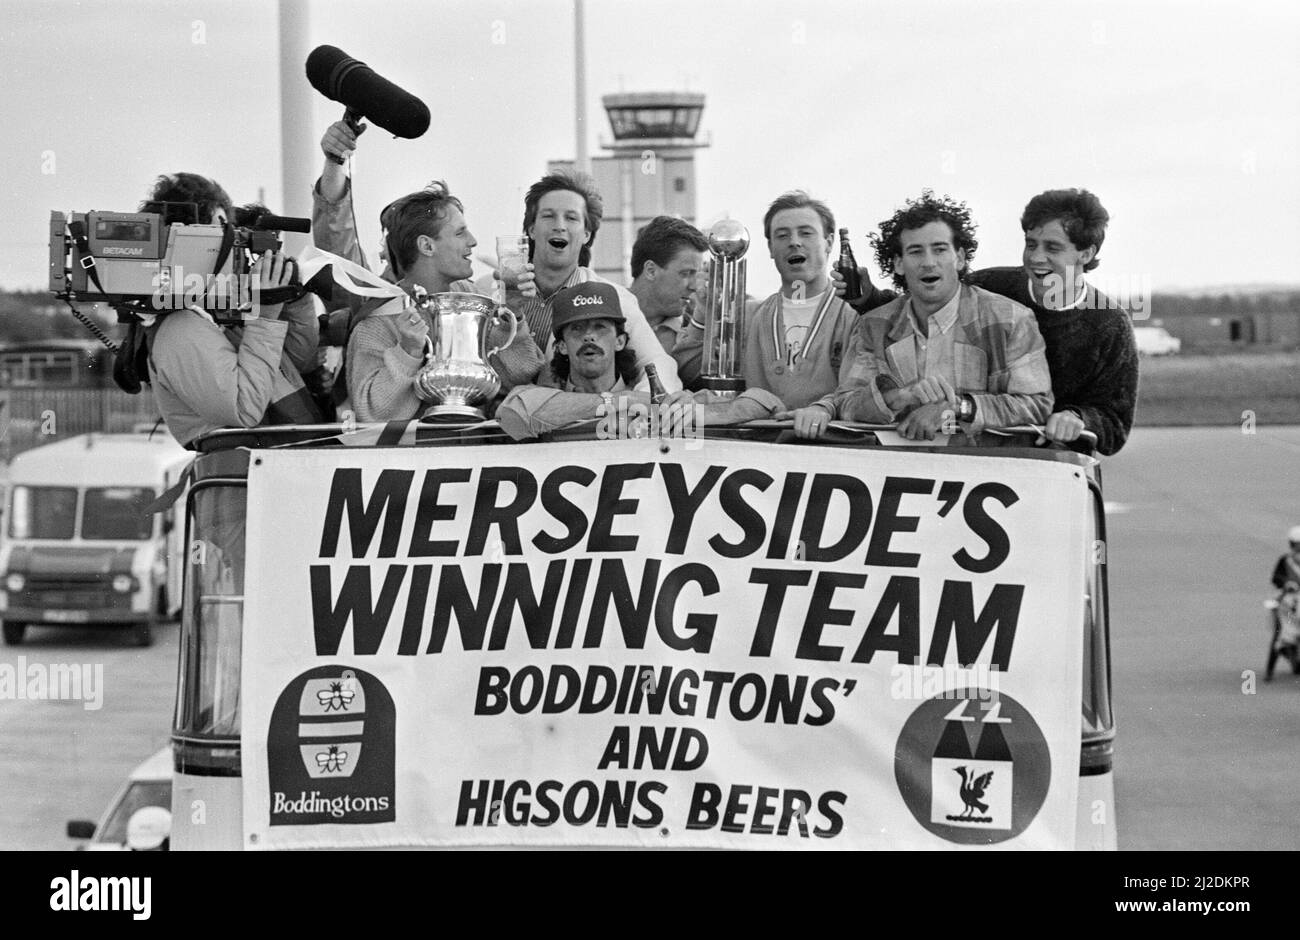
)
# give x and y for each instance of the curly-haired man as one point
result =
(1089, 337)
(944, 350)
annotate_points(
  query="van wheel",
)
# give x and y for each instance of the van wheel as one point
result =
(141, 635)
(13, 632)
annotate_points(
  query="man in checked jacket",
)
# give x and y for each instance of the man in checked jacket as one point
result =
(944, 356)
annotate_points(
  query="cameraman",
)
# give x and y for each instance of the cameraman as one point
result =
(206, 376)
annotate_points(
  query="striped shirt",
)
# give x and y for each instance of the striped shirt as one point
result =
(538, 314)
(934, 347)
(538, 309)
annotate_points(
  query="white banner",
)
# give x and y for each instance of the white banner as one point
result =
(732, 645)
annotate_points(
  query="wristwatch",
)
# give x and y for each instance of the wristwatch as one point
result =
(966, 408)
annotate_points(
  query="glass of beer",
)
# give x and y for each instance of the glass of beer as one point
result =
(512, 258)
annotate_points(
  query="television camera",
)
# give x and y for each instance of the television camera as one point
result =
(161, 259)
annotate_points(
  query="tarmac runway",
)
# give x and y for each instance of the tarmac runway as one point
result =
(1207, 753)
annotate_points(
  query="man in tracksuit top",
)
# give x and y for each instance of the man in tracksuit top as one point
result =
(796, 340)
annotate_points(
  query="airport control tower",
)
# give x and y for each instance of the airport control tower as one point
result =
(651, 170)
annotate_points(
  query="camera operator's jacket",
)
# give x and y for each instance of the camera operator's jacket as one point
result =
(206, 376)
(998, 357)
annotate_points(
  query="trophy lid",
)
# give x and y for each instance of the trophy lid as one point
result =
(462, 301)
(729, 239)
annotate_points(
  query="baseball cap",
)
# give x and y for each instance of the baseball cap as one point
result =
(588, 301)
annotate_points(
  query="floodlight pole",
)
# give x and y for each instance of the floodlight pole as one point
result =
(581, 160)
(298, 153)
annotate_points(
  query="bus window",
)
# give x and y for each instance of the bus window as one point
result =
(212, 621)
(1097, 718)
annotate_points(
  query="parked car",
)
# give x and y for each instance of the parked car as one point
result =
(1156, 341)
(139, 816)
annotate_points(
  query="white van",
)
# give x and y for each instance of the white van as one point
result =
(1156, 341)
(80, 548)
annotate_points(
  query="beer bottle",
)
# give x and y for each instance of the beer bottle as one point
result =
(848, 268)
(657, 391)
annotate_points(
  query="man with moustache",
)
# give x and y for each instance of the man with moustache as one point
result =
(667, 258)
(1090, 347)
(796, 341)
(593, 371)
(562, 213)
(944, 350)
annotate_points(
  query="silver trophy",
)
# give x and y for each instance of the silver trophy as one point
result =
(457, 377)
(724, 320)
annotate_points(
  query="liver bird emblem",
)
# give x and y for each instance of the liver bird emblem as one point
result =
(972, 792)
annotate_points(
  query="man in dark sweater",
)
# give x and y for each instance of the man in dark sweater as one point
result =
(1089, 337)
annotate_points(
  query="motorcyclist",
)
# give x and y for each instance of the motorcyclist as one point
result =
(1287, 570)
(1286, 578)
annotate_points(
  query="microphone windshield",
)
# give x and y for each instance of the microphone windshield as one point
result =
(352, 83)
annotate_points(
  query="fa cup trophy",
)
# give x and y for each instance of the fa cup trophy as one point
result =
(724, 321)
(457, 377)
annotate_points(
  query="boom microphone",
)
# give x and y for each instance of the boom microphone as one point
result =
(341, 78)
(282, 223)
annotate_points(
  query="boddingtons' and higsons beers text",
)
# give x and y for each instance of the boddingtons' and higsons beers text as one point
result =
(644, 584)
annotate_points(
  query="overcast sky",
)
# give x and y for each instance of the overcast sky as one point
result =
(1182, 116)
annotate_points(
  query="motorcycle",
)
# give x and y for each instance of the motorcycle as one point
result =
(1284, 615)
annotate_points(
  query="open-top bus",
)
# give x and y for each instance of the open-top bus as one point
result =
(425, 636)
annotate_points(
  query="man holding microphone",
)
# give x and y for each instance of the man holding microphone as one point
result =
(427, 245)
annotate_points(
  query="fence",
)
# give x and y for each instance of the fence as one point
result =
(30, 417)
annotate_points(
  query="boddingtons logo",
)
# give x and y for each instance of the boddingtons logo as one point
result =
(331, 749)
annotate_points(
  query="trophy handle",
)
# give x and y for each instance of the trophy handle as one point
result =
(503, 312)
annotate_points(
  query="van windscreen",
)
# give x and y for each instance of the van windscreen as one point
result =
(117, 513)
(44, 512)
